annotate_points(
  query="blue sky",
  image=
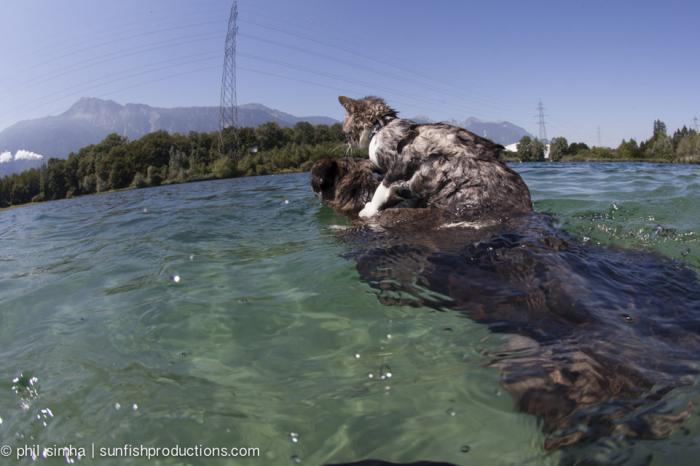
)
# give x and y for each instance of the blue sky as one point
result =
(617, 65)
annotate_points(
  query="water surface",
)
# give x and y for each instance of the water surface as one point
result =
(223, 314)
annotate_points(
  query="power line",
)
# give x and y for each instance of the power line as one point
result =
(367, 86)
(449, 100)
(86, 64)
(121, 35)
(116, 78)
(420, 79)
(130, 51)
(123, 39)
(357, 65)
(505, 108)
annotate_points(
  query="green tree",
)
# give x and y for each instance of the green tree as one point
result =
(558, 148)
(628, 150)
(660, 147)
(55, 179)
(154, 177)
(530, 150)
(304, 133)
(269, 136)
(689, 148)
(576, 147)
(224, 167)
(679, 134)
(659, 129)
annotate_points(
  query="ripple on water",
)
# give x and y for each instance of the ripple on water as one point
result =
(269, 331)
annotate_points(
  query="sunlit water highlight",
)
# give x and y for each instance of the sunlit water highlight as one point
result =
(220, 314)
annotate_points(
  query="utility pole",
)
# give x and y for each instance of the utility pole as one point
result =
(695, 124)
(542, 131)
(600, 144)
(228, 109)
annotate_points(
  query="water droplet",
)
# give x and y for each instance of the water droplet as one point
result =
(370, 375)
(176, 278)
(465, 449)
(191, 257)
(135, 407)
(388, 336)
(286, 201)
(26, 388)
(385, 372)
(117, 406)
(294, 437)
(296, 459)
(451, 412)
(145, 210)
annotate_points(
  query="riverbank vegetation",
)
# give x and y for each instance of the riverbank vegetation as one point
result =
(161, 158)
(681, 147)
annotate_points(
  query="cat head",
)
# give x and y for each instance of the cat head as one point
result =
(345, 184)
(360, 117)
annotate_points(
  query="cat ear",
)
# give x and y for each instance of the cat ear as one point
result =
(347, 103)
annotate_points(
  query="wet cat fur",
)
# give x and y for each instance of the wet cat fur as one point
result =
(441, 165)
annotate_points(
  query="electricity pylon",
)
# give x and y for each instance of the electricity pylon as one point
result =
(229, 104)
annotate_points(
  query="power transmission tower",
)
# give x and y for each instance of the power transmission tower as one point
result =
(542, 132)
(695, 124)
(600, 144)
(229, 101)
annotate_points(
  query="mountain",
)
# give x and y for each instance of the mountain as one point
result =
(502, 132)
(89, 120)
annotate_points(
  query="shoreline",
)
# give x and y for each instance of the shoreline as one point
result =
(301, 170)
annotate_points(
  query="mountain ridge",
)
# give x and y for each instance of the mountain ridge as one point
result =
(90, 119)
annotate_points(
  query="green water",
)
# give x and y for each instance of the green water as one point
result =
(218, 314)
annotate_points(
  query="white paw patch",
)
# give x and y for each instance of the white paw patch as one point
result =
(368, 211)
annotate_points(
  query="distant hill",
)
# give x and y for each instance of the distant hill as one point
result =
(502, 132)
(89, 120)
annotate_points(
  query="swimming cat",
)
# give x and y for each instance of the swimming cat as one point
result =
(440, 165)
(602, 342)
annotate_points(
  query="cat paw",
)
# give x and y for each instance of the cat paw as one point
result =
(368, 211)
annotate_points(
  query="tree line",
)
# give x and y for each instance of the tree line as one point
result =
(683, 146)
(162, 158)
